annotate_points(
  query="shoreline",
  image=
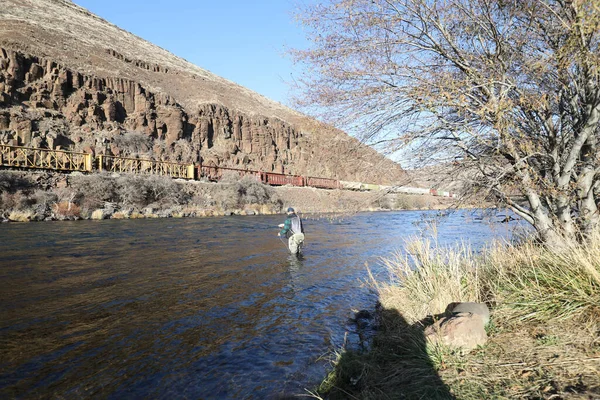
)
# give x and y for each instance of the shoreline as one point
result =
(41, 196)
(166, 214)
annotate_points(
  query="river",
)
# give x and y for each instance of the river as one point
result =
(210, 308)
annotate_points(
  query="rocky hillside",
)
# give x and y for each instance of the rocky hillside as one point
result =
(69, 79)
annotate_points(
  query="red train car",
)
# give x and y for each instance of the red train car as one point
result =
(273, 179)
(324, 183)
(216, 174)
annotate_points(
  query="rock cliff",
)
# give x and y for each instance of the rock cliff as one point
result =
(69, 79)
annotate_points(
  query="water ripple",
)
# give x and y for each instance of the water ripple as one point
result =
(198, 308)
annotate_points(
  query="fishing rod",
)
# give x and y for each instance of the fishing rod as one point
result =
(253, 224)
(262, 224)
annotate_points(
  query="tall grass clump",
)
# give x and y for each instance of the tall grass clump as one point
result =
(526, 281)
(426, 278)
(533, 283)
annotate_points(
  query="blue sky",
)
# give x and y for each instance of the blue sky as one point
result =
(241, 40)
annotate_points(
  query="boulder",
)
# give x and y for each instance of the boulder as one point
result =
(362, 319)
(470, 307)
(462, 330)
(4, 120)
(23, 128)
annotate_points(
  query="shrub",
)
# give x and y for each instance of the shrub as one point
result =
(252, 191)
(11, 181)
(237, 193)
(94, 190)
(66, 209)
(227, 196)
(133, 144)
(381, 202)
(197, 199)
(26, 204)
(403, 202)
(42, 201)
(67, 195)
(230, 177)
(7, 201)
(143, 190)
(183, 152)
(20, 216)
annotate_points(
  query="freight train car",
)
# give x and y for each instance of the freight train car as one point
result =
(273, 179)
(215, 174)
(371, 187)
(405, 189)
(323, 183)
(348, 185)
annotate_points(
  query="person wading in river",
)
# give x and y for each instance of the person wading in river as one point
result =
(293, 230)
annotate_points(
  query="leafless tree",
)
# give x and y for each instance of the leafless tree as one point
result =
(507, 90)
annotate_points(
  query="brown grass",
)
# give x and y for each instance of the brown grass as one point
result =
(20, 216)
(97, 215)
(425, 279)
(544, 335)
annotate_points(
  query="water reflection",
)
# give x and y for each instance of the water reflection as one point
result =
(210, 308)
(295, 267)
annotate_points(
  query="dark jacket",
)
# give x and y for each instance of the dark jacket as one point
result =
(292, 225)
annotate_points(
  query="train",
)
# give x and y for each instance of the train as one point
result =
(215, 174)
(62, 160)
(360, 186)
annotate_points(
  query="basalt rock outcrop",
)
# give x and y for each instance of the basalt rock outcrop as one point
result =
(70, 80)
(45, 104)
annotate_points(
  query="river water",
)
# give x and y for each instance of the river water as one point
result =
(190, 308)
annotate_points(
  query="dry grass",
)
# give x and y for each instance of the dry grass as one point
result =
(428, 278)
(544, 338)
(530, 283)
(20, 216)
(526, 282)
(528, 361)
(97, 215)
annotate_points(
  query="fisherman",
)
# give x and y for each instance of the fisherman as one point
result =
(293, 230)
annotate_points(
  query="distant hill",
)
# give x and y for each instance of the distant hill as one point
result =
(70, 79)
